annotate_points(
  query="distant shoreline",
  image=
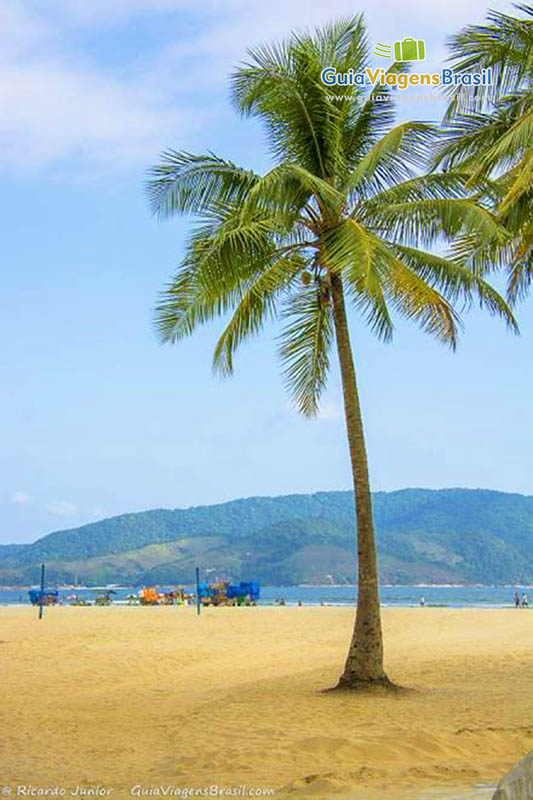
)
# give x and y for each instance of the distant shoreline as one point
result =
(125, 587)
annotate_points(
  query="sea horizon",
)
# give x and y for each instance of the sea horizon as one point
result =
(397, 595)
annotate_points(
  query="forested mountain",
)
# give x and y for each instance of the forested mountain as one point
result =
(449, 535)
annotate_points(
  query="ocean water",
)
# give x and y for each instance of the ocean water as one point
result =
(446, 596)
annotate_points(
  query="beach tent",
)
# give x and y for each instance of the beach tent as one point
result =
(219, 593)
(246, 589)
(249, 589)
(49, 598)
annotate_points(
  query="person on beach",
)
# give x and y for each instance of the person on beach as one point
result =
(525, 601)
(422, 601)
(516, 600)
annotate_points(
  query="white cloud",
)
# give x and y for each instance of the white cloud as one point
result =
(21, 498)
(62, 101)
(62, 508)
(267, 17)
(66, 114)
(58, 103)
(104, 12)
(20, 30)
(329, 412)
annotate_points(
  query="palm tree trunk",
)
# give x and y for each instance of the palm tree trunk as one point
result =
(364, 664)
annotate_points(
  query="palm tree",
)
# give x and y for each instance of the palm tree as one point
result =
(490, 135)
(338, 219)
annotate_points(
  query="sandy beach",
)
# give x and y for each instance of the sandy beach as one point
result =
(132, 699)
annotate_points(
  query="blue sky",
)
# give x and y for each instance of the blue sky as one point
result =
(97, 418)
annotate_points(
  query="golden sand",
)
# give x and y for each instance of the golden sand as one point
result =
(156, 697)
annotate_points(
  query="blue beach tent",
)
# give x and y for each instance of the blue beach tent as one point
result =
(249, 589)
(49, 597)
(244, 589)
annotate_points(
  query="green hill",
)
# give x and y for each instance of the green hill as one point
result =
(450, 535)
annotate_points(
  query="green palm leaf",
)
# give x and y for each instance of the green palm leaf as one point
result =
(257, 303)
(183, 183)
(489, 133)
(305, 346)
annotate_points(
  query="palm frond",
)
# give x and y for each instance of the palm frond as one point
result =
(183, 183)
(221, 258)
(423, 222)
(344, 43)
(288, 187)
(519, 185)
(505, 45)
(364, 122)
(282, 87)
(256, 303)
(391, 158)
(466, 136)
(305, 345)
(185, 306)
(520, 269)
(416, 299)
(455, 281)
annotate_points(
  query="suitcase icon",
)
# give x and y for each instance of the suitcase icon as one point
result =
(410, 50)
